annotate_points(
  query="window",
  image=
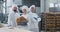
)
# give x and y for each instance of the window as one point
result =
(4, 7)
(54, 6)
(51, 5)
(31, 2)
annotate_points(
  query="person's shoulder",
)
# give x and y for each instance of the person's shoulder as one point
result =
(10, 13)
(34, 13)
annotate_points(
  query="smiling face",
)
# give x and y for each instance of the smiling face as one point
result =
(24, 11)
(15, 9)
(32, 9)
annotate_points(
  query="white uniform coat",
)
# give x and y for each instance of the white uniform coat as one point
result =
(12, 19)
(34, 19)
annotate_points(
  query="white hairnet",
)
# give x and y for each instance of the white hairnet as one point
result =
(31, 7)
(15, 6)
(25, 7)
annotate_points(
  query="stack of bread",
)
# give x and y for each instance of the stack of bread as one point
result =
(21, 20)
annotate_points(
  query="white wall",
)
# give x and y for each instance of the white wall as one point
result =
(52, 1)
(18, 2)
(45, 5)
(42, 5)
(9, 2)
(38, 10)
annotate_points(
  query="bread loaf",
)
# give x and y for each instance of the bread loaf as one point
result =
(20, 20)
